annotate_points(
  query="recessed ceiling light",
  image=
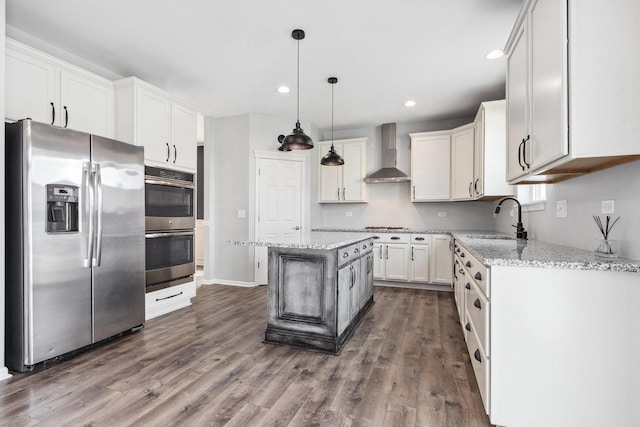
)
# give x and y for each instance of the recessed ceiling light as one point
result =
(284, 89)
(410, 103)
(495, 54)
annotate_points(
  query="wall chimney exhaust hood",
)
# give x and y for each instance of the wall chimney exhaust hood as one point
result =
(388, 172)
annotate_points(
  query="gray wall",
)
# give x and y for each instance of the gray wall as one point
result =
(231, 143)
(584, 196)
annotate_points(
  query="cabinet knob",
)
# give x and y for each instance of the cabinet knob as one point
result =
(478, 276)
(345, 255)
(477, 355)
(468, 326)
(356, 250)
(468, 263)
(468, 286)
(462, 255)
(364, 247)
(477, 304)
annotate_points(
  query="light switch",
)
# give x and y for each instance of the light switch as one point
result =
(561, 208)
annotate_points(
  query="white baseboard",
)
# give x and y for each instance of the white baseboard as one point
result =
(230, 283)
(4, 373)
(413, 285)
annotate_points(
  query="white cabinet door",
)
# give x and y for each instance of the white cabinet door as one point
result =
(462, 161)
(184, 129)
(517, 99)
(441, 259)
(378, 261)
(548, 130)
(344, 184)
(86, 103)
(154, 130)
(419, 263)
(478, 155)
(32, 88)
(354, 291)
(430, 166)
(353, 172)
(330, 179)
(396, 259)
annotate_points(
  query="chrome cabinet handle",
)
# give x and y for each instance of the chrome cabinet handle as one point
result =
(66, 116)
(387, 246)
(170, 296)
(53, 113)
(412, 254)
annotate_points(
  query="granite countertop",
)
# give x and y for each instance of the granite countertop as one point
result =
(314, 240)
(499, 249)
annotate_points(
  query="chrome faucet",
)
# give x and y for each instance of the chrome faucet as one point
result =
(520, 231)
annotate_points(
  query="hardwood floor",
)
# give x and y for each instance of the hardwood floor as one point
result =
(406, 365)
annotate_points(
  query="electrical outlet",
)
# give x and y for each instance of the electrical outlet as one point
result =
(242, 213)
(607, 207)
(561, 208)
(348, 214)
(442, 214)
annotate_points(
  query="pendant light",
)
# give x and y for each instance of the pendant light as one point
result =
(297, 140)
(332, 158)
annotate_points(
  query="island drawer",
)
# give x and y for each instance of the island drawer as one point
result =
(478, 310)
(352, 252)
(480, 363)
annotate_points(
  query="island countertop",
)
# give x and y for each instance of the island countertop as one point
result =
(312, 240)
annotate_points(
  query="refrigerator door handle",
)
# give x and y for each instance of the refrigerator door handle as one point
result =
(97, 251)
(87, 211)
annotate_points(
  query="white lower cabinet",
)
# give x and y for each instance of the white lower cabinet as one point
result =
(420, 262)
(551, 346)
(166, 300)
(440, 271)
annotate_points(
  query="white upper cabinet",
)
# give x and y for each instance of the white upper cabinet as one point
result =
(489, 169)
(430, 166)
(572, 95)
(344, 184)
(462, 162)
(165, 127)
(48, 90)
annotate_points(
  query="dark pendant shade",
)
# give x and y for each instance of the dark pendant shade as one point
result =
(297, 140)
(332, 158)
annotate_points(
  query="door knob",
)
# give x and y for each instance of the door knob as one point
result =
(297, 227)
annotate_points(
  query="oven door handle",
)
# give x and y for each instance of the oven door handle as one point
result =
(170, 183)
(169, 234)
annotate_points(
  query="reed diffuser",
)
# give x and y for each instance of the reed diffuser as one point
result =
(606, 247)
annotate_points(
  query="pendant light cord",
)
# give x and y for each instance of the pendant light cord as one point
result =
(332, 115)
(298, 90)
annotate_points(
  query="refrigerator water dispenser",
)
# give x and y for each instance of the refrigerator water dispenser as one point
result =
(62, 208)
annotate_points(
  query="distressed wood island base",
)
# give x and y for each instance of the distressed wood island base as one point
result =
(316, 297)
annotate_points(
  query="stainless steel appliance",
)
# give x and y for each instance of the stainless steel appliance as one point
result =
(74, 241)
(170, 222)
(169, 201)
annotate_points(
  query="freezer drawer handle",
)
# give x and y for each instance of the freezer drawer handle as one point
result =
(170, 296)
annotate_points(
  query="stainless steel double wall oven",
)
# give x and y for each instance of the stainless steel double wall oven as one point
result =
(169, 225)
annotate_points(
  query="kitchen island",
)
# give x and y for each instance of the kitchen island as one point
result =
(318, 290)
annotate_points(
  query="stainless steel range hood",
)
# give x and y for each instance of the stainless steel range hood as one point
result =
(388, 172)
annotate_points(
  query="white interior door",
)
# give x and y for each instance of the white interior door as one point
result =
(279, 207)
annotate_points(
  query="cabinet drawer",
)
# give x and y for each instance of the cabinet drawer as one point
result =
(478, 310)
(475, 268)
(366, 247)
(391, 238)
(169, 299)
(481, 366)
(420, 239)
(349, 253)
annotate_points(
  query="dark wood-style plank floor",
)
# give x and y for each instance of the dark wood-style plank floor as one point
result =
(206, 365)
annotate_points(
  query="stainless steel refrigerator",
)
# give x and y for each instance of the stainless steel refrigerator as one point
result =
(75, 261)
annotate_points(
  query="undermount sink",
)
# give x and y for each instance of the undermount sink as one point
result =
(489, 236)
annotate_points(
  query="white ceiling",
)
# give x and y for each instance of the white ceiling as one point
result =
(229, 57)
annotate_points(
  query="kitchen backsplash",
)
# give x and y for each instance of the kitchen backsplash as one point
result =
(584, 196)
